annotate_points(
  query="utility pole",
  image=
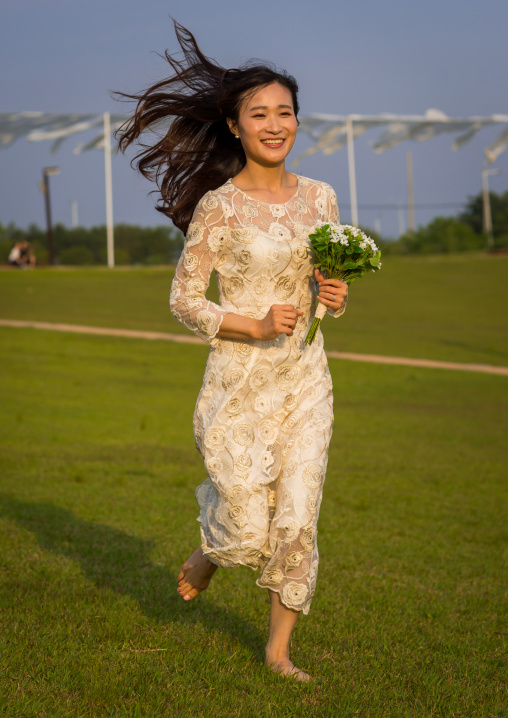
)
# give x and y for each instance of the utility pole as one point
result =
(46, 172)
(109, 191)
(410, 196)
(352, 170)
(74, 213)
(487, 214)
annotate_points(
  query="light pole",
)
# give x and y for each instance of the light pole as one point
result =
(487, 214)
(410, 195)
(46, 172)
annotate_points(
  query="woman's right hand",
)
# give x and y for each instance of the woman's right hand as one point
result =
(280, 319)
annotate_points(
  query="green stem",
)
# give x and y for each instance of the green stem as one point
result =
(312, 331)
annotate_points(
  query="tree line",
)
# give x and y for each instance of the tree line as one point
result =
(81, 245)
(163, 244)
(456, 234)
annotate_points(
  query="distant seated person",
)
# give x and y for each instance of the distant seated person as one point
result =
(22, 255)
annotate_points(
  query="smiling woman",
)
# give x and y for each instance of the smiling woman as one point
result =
(264, 416)
(197, 152)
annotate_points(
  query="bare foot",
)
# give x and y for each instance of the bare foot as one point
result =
(195, 575)
(285, 668)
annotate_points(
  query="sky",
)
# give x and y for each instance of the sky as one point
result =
(364, 57)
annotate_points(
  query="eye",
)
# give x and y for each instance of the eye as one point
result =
(259, 115)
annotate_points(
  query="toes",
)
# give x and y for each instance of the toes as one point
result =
(191, 594)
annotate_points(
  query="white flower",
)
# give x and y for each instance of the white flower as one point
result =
(250, 210)
(237, 514)
(279, 232)
(293, 559)
(190, 261)
(234, 406)
(284, 288)
(210, 202)
(218, 238)
(313, 476)
(308, 538)
(227, 209)
(261, 404)
(259, 378)
(233, 379)
(293, 422)
(289, 469)
(194, 233)
(215, 438)
(294, 594)
(195, 288)
(243, 462)
(287, 377)
(259, 285)
(245, 235)
(214, 466)
(278, 210)
(267, 432)
(321, 204)
(289, 526)
(311, 504)
(243, 434)
(272, 576)
(207, 322)
(233, 287)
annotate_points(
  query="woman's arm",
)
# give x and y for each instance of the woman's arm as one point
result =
(206, 238)
(280, 319)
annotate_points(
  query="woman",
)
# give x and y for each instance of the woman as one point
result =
(263, 418)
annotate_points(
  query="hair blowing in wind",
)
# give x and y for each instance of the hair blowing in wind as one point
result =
(186, 113)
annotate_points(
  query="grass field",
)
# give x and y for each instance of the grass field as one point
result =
(450, 308)
(97, 512)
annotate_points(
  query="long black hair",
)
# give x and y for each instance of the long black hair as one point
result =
(195, 152)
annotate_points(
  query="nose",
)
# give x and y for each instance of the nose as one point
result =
(273, 125)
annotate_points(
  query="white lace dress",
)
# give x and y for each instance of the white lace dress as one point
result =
(264, 415)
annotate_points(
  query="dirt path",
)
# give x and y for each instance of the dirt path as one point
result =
(184, 339)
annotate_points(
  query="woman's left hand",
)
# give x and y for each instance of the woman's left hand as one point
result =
(332, 292)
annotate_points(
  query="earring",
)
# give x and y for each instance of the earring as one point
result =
(237, 137)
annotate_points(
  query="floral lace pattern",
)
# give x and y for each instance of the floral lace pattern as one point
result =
(264, 415)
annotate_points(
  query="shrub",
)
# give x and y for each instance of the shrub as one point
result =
(76, 255)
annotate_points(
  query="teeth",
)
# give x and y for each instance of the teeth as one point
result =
(272, 142)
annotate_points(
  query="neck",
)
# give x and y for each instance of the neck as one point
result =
(257, 177)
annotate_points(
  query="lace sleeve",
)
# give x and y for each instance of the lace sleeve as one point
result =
(333, 216)
(205, 240)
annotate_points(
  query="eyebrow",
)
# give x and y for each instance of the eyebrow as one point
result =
(265, 107)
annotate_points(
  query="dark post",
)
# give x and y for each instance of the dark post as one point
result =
(47, 198)
(49, 231)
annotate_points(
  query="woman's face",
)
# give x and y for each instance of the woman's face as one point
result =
(266, 125)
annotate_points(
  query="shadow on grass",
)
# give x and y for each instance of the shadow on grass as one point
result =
(119, 562)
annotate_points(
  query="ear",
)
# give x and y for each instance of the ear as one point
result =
(232, 125)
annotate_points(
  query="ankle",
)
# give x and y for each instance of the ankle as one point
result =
(274, 652)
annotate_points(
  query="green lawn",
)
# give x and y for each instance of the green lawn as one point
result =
(450, 308)
(97, 513)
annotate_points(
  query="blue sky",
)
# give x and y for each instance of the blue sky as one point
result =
(364, 57)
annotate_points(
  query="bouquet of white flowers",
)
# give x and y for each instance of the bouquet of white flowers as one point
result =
(341, 252)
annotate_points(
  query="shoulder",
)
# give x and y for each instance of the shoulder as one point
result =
(215, 200)
(317, 186)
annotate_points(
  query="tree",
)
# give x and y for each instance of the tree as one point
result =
(442, 235)
(473, 215)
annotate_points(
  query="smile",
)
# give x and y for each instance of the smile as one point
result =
(274, 143)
